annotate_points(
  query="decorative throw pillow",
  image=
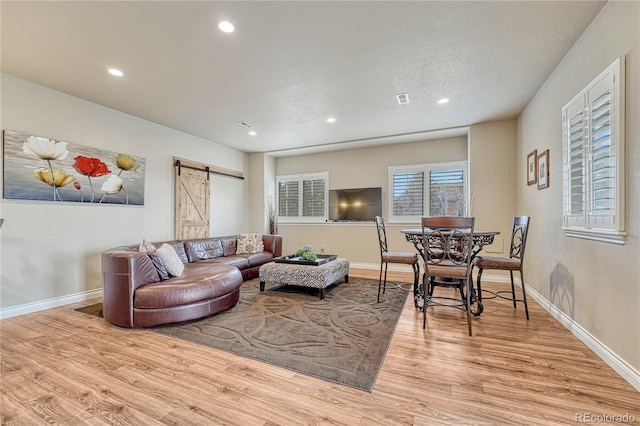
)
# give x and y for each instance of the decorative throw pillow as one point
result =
(170, 260)
(162, 270)
(249, 243)
(147, 247)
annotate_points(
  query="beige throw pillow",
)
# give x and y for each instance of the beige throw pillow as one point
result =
(170, 260)
(249, 243)
(147, 247)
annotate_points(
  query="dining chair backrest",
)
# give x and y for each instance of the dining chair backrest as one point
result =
(382, 234)
(519, 237)
(448, 240)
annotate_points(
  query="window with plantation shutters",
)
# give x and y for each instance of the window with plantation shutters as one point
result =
(303, 198)
(436, 189)
(593, 159)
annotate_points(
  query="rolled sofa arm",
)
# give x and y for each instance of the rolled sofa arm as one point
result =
(273, 244)
(122, 273)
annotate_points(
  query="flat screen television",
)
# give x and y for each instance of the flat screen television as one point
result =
(355, 204)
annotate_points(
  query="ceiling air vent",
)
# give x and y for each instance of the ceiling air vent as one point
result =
(403, 98)
(245, 125)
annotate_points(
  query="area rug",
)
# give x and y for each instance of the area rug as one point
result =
(343, 338)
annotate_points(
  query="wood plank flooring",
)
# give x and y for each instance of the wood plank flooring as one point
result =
(63, 367)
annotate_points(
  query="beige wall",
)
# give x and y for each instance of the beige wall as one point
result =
(492, 174)
(52, 250)
(368, 167)
(358, 168)
(594, 284)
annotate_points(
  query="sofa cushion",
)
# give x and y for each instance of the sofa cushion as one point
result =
(257, 259)
(236, 261)
(199, 282)
(170, 260)
(203, 249)
(229, 245)
(249, 243)
(178, 246)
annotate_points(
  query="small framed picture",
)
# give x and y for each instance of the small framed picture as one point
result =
(543, 170)
(532, 167)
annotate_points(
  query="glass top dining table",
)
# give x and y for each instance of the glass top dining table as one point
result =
(480, 239)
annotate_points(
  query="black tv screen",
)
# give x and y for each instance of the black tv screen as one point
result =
(355, 204)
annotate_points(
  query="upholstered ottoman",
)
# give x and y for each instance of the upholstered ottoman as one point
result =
(320, 277)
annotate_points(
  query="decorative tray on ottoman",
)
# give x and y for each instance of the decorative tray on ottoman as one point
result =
(298, 260)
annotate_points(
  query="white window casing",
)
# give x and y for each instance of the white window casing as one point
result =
(593, 159)
(303, 197)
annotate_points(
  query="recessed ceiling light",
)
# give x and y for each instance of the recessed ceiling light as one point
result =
(226, 27)
(443, 101)
(116, 72)
(331, 120)
(253, 133)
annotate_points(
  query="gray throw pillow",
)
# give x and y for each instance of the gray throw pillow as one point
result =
(170, 260)
(157, 262)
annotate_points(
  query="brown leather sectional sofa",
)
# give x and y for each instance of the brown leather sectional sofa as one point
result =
(134, 296)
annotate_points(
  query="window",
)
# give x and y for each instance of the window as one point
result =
(303, 198)
(438, 189)
(593, 159)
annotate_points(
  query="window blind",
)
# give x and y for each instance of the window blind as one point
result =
(408, 190)
(288, 198)
(446, 192)
(602, 157)
(576, 165)
(313, 197)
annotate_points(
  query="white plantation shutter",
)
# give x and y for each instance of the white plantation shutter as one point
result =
(313, 197)
(602, 157)
(303, 197)
(574, 151)
(446, 189)
(593, 159)
(288, 196)
(408, 193)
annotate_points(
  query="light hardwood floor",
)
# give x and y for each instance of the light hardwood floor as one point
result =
(64, 367)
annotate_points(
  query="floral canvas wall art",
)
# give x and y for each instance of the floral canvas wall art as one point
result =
(39, 168)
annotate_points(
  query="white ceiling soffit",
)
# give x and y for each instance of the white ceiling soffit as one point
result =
(290, 65)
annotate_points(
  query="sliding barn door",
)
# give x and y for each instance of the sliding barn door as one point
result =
(192, 194)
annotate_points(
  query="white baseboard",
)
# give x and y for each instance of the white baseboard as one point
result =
(28, 308)
(621, 367)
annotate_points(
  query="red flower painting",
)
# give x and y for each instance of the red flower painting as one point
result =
(90, 166)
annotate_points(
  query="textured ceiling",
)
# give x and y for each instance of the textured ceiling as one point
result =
(290, 65)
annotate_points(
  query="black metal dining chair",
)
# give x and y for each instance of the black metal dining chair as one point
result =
(448, 249)
(514, 262)
(396, 257)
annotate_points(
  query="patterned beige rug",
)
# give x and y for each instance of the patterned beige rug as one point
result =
(342, 338)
